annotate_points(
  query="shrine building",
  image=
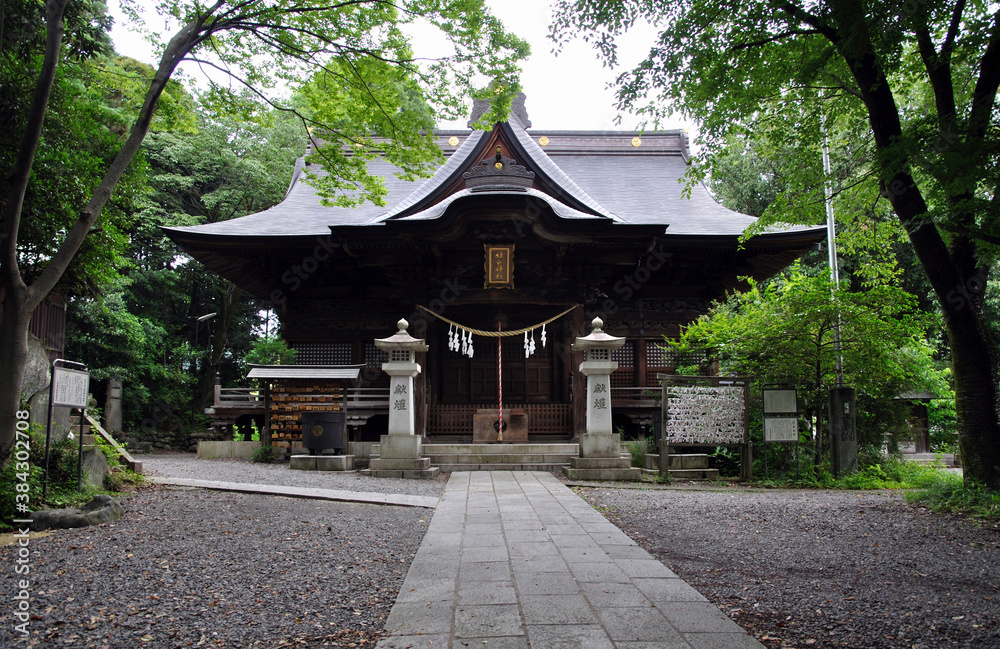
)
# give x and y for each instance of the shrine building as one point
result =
(533, 232)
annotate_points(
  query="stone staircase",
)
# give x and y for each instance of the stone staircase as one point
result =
(948, 460)
(693, 466)
(551, 457)
(498, 457)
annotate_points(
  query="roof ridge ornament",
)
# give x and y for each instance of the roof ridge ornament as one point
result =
(499, 173)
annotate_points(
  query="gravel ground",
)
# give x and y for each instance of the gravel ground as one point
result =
(822, 568)
(188, 567)
(185, 465)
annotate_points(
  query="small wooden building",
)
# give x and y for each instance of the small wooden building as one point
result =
(517, 227)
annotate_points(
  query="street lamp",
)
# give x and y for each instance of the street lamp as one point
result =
(197, 325)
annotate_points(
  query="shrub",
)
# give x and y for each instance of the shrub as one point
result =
(263, 455)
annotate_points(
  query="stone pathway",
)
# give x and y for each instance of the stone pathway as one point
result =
(405, 500)
(516, 559)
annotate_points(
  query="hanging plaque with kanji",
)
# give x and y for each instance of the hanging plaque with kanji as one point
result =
(499, 266)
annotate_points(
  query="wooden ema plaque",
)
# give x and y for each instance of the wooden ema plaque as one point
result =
(484, 426)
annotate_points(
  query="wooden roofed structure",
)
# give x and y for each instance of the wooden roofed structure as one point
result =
(592, 223)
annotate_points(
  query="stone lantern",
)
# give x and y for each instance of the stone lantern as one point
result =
(400, 450)
(600, 448)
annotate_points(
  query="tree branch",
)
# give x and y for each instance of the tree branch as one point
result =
(21, 173)
(772, 39)
(985, 94)
(189, 37)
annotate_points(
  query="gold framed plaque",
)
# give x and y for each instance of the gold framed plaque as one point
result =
(499, 265)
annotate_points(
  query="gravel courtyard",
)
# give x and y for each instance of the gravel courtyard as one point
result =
(798, 569)
(188, 567)
(823, 568)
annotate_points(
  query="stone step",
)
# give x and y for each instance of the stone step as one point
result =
(549, 468)
(947, 459)
(695, 474)
(490, 458)
(679, 461)
(501, 449)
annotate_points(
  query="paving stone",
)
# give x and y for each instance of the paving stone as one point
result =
(415, 618)
(513, 560)
(668, 590)
(526, 565)
(722, 641)
(574, 541)
(413, 642)
(662, 644)
(645, 568)
(484, 553)
(698, 617)
(547, 583)
(557, 609)
(484, 571)
(426, 590)
(488, 620)
(590, 554)
(638, 624)
(603, 595)
(495, 642)
(562, 636)
(487, 592)
(599, 571)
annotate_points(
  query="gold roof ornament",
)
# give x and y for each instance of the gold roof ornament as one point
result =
(544, 140)
(637, 141)
(453, 140)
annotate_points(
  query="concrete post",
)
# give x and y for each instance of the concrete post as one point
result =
(843, 431)
(113, 407)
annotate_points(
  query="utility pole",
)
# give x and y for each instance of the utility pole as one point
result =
(842, 412)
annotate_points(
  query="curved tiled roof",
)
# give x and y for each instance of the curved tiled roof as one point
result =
(628, 177)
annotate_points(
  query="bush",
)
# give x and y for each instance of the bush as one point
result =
(638, 449)
(62, 482)
(945, 492)
(263, 455)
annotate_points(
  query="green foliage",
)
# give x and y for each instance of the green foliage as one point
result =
(907, 95)
(80, 138)
(638, 449)
(263, 455)
(270, 350)
(783, 333)
(876, 472)
(946, 493)
(62, 481)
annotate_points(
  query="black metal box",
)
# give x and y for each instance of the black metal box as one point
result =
(323, 430)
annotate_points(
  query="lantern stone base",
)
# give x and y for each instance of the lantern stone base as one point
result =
(399, 457)
(601, 459)
(321, 462)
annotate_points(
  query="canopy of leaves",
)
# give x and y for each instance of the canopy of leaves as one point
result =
(785, 333)
(80, 138)
(775, 68)
(366, 94)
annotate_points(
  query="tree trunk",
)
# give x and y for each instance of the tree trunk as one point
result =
(13, 360)
(976, 398)
(953, 273)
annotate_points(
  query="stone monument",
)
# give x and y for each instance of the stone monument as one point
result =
(600, 448)
(400, 450)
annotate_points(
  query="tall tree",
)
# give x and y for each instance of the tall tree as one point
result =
(349, 39)
(923, 75)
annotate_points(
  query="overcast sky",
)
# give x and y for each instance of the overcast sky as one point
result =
(564, 92)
